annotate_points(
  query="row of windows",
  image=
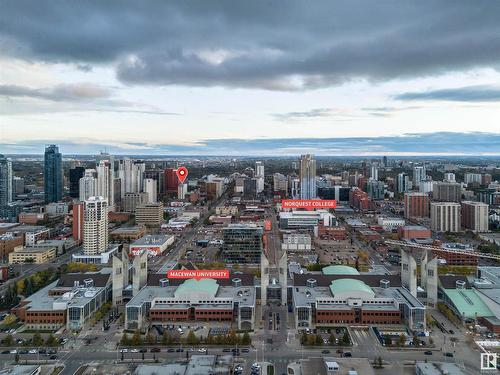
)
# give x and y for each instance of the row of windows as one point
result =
(29, 313)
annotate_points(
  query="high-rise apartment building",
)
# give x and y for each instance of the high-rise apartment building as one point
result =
(280, 183)
(78, 209)
(375, 189)
(74, 181)
(447, 192)
(470, 178)
(242, 243)
(416, 204)
(5, 182)
(95, 226)
(132, 200)
(17, 186)
(53, 174)
(374, 172)
(87, 185)
(449, 177)
(182, 190)
(307, 177)
(403, 183)
(151, 188)
(445, 217)
(419, 174)
(475, 216)
(171, 180)
(131, 175)
(105, 181)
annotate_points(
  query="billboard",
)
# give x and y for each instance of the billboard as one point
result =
(308, 204)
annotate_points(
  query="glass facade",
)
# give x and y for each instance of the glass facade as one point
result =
(52, 174)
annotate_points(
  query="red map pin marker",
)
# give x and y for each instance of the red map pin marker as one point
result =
(182, 173)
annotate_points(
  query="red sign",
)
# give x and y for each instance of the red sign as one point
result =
(182, 174)
(309, 204)
(198, 274)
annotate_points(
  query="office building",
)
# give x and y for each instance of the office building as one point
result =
(214, 189)
(17, 186)
(447, 192)
(87, 185)
(149, 214)
(32, 254)
(171, 180)
(74, 181)
(307, 177)
(403, 183)
(132, 200)
(375, 189)
(250, 188)
(445, 217)
(5, 183)
(151, 188)
(419, 174)
(280, 184)
(153, 245)
(293, 242)
(242, 243)
(95, 226)
(77, 226)
(53, 174)
(475, 216)
(297, 219)
(416, 205)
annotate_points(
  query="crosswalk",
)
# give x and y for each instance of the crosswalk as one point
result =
(360, 337)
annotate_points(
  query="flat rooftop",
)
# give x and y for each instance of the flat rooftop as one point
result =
(152, 239)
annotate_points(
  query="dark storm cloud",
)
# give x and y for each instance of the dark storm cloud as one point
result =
(271, 45)
(452, 143)
(462, 94)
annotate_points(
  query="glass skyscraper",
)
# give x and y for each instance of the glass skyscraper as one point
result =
(5, 182)
(52, 174)
(307, 177)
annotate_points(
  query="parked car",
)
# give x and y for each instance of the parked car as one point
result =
(347, 354)
(428, 352)
(155, 350)
(448, 354)
(326, 351)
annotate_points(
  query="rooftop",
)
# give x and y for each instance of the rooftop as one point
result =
(341, 286)
(340, 270)
(150, 239)
(468, 303)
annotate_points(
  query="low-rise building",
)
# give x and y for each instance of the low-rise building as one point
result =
(7, 244)
(128, 233)
(32, 254)
(390, 223)
(410, 232)
(152, 244)
(226, 210)
(296, 242)
(205, 300)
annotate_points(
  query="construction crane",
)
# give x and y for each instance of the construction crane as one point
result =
(471, 253)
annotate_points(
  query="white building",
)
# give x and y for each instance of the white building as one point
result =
(449, 177)
(426, 186)
(151, 188)
(259, 169)
(390, 223)
(374, 172)
(182, 190)
(419, 174)
(445, 217)
(470, 178)
(95, 226)
(105, 181)
(307, 177)
(296, 242)
(88, 185)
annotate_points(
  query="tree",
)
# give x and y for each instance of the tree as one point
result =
(431, 341)
(191, 338)
(331, 339)
(402, 340)
(416, 341)
(319, 340)
(166, 339)
(8, 340)
(150, 339)
(246, 340)
(37, 340)
(136, 338)
(51, 341)
(16, 358)
(303, 338)
(125, 340)
(346, 340)
(388, 340)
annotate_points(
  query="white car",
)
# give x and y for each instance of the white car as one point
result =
(33, 351)
(124, 351)
(202, 350)
(13, 351)
(134, 351)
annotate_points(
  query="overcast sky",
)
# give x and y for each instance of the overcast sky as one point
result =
(250, 77)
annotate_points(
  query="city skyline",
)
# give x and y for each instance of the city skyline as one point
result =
(255, 79)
